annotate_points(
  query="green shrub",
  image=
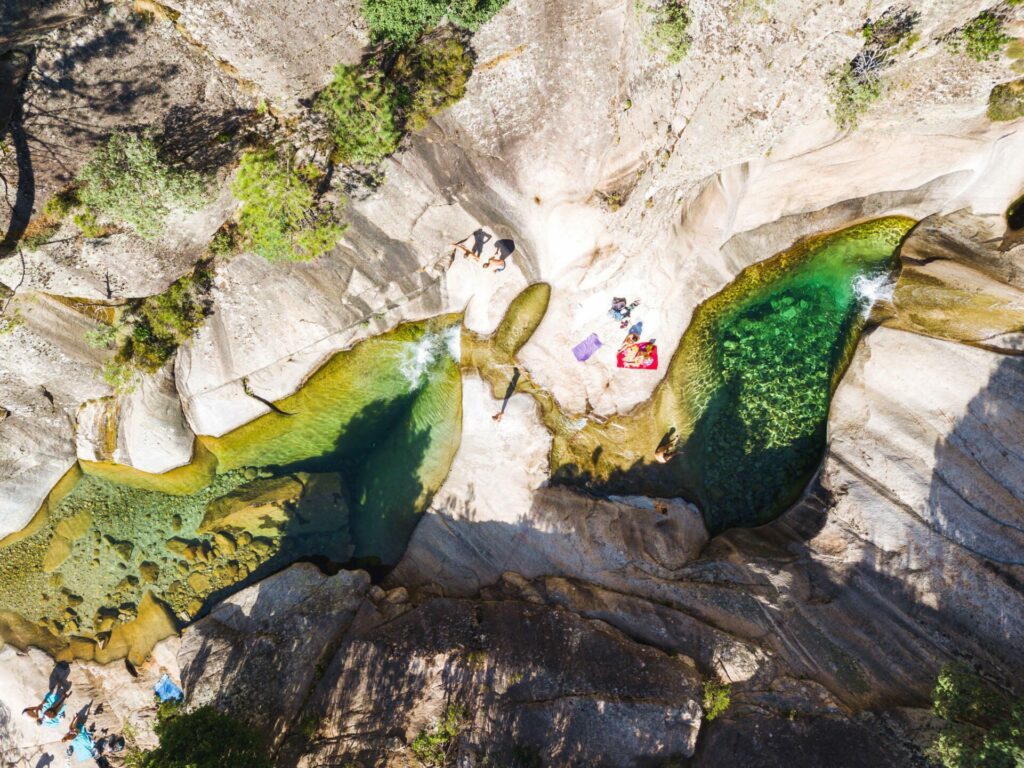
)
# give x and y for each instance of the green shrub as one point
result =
(205, 738)
(87, 222)
(1006, 102)
(435, 748)
(472, 14)
(669, 27)
(361, 109)
(402, 21)
(150, 330)
(368, 111)
(982, 38)
(102, 336)
(280, 218)
(716, 699)
(223, 243)
(984, 728)
(43, 227)
(852, 94)
(893, 31)
(858, 84)
(432, 76)
(10, 322)
(126, 181)
(39, 232)
(61, 203)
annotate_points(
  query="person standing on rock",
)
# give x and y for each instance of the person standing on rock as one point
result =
(509, 391)
(480, 238)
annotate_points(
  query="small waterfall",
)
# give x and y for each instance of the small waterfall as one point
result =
(418, 357)
(453, 341)
(873, 288)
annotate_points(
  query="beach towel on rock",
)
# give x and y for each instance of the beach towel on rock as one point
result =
(49, 701)
(642, 356)
(587, 347)
(82, 747)
(166, 689)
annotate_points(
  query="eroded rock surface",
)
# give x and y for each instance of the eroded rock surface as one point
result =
(572, 629)
(261, 651)
(249, 39)
(962, 280)
(532, 680)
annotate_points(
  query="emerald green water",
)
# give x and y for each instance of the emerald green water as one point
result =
(344, 469)
(747, 392)
(771, 349)
(387, 415)
(366, 441)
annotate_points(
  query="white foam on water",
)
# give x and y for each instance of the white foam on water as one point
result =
(872, 289)
(419, 356)
(453, 341)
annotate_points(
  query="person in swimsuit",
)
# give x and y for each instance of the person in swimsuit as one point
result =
(666, 451)
(502, 250)
(668, 447)
(480, 238)
(51, 710)
(509, 391)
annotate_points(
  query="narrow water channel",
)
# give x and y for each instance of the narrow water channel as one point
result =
(343, 469)
(747, 392)
(341, 472)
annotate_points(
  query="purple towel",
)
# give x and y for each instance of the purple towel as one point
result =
(587, 347)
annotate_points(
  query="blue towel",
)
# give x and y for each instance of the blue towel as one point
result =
(166, 689)
(82, 747)
(49, 701)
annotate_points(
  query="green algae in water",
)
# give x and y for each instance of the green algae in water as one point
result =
(382, 419)
(386, 414)
(747, 391)
(68, 578)
(758, 365)
(402, 470)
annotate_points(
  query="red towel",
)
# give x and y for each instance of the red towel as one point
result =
(642, 356)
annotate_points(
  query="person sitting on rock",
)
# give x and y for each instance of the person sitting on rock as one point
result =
(665, 453)
(502, 250)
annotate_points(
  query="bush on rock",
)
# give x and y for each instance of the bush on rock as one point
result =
(127, 181)
(281, 217)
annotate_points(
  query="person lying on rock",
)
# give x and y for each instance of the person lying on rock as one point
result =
(466, 252)
(83, 745)
(76, 728)
(51, 710)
